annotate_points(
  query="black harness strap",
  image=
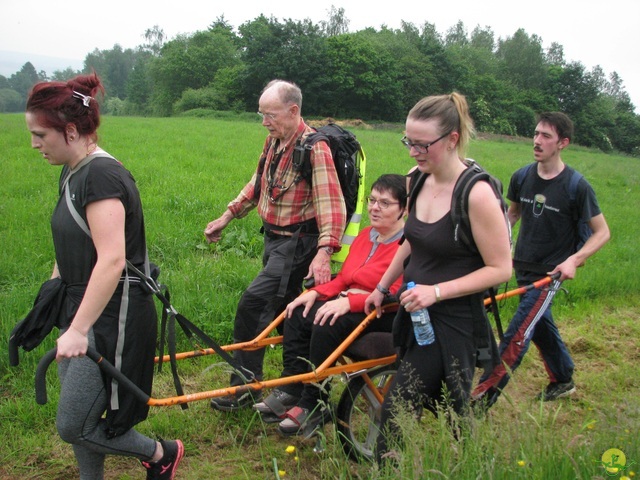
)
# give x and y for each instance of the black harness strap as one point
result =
(496, 312)
(168, 327)
(310, 227)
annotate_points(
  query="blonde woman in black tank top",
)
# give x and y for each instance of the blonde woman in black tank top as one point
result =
(450, 278)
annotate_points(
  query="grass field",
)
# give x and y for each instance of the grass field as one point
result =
(187, 170)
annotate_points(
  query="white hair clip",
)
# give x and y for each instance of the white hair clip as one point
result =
(85, 98)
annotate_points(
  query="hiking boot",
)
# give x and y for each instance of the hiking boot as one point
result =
(165, 468)
(232, 403)
(556, 390)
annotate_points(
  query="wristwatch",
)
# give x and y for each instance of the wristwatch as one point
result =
(329, 250)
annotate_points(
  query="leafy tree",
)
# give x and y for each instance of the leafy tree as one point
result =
(63, 75)
(155, 38)
(23, 80)
(294, 51)
(599, 79)
(432, 46)
(139, 85)
(616, 89)
(337, 23)
(218, 95)
(222, 27)
(189, 62)
(11, 101)
(414, 72)
(483, 39)
(457, 35)
(523, 60)
(113, 66)
(555, 54)
(371, 74)
(625, 134)
(574, 89)
(363, 80)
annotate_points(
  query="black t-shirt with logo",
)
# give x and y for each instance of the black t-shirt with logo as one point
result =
(549, 219)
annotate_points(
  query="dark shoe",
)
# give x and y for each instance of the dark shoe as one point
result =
(232, 403)
(556, 390)
(274, 408)
(165, 468)
(300, 421)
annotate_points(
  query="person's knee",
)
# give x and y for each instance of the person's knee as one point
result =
(69, 429)
(252, 301)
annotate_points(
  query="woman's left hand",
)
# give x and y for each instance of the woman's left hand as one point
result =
(332, 310)
(418, 297)
(72, 343)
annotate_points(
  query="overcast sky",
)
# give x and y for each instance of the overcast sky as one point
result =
(605, 33)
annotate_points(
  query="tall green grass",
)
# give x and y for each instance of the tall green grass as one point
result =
(187, 170)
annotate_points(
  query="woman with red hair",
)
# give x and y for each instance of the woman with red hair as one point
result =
(98, 228)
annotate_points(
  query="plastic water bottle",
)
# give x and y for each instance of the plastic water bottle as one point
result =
(422, 327)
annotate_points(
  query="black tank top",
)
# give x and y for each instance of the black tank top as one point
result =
(435, 257)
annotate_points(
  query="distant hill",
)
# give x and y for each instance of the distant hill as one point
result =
(12, 62)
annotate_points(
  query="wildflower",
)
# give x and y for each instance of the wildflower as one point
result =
(521, 463)
(632, 473)
(282, 473)
(290, 449)
(624, 477)
(296, 458)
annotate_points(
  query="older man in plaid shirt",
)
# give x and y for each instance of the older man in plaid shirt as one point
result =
(303, 225)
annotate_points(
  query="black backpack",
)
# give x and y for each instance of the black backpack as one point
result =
(460, 199)
(345, 150)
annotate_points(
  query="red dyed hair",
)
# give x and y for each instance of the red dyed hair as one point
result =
(56, 105)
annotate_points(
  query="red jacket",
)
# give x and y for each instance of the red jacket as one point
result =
(355, 273)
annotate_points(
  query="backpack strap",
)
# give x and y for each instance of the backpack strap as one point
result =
(576, 176)
(416, 181)
(522, 173)
(302, 154)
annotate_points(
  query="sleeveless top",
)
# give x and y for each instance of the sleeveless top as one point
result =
(435, 257)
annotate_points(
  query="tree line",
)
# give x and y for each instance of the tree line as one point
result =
(375, 75)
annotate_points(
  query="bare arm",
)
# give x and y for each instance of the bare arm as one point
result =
(55, 273)
(106, 222)
(213, 231)
(514, 213)
(395, 269)
(596, 241)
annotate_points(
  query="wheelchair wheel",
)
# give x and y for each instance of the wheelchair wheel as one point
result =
(358, 412)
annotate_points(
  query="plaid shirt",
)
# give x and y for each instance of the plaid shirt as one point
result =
(299, 202)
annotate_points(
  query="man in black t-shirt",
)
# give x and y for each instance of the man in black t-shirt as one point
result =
(551, 200)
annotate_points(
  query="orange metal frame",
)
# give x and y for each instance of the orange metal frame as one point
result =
(327, 369)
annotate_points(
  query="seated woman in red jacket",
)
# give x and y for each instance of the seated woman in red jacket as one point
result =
(318, 321)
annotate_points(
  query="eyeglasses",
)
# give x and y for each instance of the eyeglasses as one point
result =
(383, 204)
(420, 147)
(270, 116)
